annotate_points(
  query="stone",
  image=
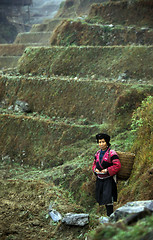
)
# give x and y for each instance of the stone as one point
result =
(123, 76)
(131, 208)
(6, 159)
(21, 106)
(76, 219)
(55, 215)
(104, 219)
(150, 206)
(10, 107)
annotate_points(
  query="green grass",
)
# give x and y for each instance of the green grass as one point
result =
(136, 232)
(81, 33)
(88, 61)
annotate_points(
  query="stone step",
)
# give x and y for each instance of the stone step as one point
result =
(38, 38)
(8, 61)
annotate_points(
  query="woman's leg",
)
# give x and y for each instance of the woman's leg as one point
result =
(109, 208)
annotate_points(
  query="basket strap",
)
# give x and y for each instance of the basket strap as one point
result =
(109, 155)
(115, 176)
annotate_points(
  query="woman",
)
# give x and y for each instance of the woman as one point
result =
(105, 166)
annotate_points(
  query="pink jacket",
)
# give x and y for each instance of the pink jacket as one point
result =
(111, 157)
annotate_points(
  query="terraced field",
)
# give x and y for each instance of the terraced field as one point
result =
(79, 77)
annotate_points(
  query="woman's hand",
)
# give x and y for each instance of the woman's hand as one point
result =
(97, 171)
(104, 171)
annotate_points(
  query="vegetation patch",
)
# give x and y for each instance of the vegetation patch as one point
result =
(88, 61)
(72, 32)
(25, 206)
(62, 143)
(74, 8)
(38, 142)
(75, 92)
(63, 99)
(128, 102)
(141, 229)
(73, 101)
(137, 13)
(140, 182)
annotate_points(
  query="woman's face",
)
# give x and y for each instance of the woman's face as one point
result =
(102, 144)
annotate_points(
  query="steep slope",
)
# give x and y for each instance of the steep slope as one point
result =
(74, 92)
(87, 61)
(75, 32)
(138, 13)
(74, 8)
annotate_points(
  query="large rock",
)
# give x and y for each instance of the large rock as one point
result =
(131, 208)
(21, 106)
(80, 219)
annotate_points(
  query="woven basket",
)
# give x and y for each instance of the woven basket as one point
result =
(127, 160)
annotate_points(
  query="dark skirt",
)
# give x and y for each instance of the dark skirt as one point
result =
(106, 191)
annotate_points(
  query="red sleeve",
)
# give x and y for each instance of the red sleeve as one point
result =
(112, 170)
(94, 164)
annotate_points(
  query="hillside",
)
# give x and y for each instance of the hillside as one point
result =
(74, 32)
(75, 8)
(92, 62)
(75, 78)
(135, 12)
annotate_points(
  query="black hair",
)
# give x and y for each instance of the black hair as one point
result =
(103, 136)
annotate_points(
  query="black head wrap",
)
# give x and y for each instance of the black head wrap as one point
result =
(103, 136)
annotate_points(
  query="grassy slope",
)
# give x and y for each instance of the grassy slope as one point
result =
(24, 209)
(139, 185)
(39, 142)
(71, 98)
(74, 8)
(77, 32)
(140, 182)
(141, 230)
(81, 150)
(65, 138)
(88, 61)
(123, 12)
(68, 98)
